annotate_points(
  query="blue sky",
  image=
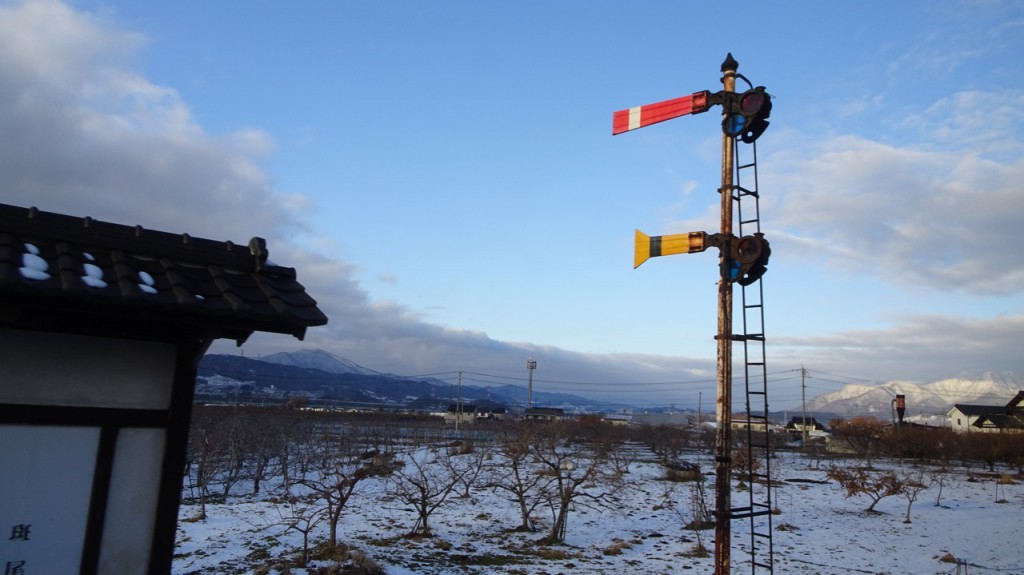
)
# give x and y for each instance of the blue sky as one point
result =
(444, 178)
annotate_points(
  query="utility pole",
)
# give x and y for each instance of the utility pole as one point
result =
(803, 402)
(458, 404)
(700, 430)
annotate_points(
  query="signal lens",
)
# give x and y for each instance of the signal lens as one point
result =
(733, 125)
(748, 249)
(751, 103)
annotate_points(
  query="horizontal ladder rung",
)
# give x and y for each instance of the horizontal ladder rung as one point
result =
(763, 565)
(748, 514)
(762, 535)
(745, 166)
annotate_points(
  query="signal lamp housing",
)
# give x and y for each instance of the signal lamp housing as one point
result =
(746, 114)
(747, 260)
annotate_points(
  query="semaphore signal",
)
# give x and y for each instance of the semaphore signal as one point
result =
(743, 260)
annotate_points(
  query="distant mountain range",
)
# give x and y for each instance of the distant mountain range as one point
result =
(930, 399)
(320, 376)
(318, 359)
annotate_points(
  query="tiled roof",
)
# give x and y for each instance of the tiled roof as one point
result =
(968, 409)
(58, 269)
(1000, 421)
(799, 421)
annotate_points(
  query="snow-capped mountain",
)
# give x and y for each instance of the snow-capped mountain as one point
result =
(932, 398)
(318, 359)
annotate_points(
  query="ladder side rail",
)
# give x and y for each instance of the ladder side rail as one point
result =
(755, 385)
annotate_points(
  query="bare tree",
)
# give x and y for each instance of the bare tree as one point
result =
(266, 431)
(667, 441)
(512, 473)
(301, 515)
(202, 448)
(942, 478)
(234, 450)
(743, 465)
(861, 434)
(425, 480)
(877, 486)
(342, 468)
(574, 467)
(472, 456)
(911, 486)
(703, 518)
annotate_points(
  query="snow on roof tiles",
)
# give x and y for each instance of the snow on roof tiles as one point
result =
(50, 261)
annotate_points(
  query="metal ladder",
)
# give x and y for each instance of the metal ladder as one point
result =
(758, 436)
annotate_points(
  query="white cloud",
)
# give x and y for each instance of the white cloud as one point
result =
(944, 346)
(986, 123)
(913, 217)
(87, 135)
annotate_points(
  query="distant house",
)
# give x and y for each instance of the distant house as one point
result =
(962, 416)
(471, 413)
(617, 419)
(544, 413)
(798, 425)
(740, 421)
(1000, 422)
(678, 418)
(965, 418)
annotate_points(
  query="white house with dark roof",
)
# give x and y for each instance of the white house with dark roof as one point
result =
(964, 418)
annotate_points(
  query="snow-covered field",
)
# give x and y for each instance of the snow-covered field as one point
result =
(817, 530)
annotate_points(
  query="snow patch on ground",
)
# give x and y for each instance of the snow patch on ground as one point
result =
(817, 531)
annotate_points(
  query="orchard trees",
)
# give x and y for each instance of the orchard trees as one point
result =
(577, 470)
(342, 467)
(859, 481)
(513, 472)
(424, 480)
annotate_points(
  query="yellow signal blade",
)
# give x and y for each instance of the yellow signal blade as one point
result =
(641, 248)
(653, 246)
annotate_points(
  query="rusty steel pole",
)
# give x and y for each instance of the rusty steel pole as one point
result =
(723, 435)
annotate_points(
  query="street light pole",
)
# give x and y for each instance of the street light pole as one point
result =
(531, 364)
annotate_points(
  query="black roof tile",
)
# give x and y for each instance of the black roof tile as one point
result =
(56, 264)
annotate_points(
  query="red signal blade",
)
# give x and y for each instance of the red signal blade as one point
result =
(640, 116)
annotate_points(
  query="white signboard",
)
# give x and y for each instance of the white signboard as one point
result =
(46, 476)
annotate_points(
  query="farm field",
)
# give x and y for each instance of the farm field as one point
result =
(976, 521)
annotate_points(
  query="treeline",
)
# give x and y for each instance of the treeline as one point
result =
(869, 438)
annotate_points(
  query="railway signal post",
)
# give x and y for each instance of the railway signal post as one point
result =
(742, 260)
